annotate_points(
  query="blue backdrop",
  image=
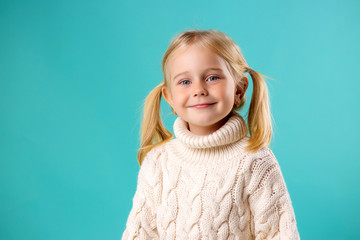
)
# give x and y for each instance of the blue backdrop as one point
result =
(74, 75)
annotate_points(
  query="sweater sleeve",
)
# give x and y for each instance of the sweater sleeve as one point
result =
(141, 222)
(272, 213)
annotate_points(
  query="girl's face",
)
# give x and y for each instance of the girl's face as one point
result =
(201, 89)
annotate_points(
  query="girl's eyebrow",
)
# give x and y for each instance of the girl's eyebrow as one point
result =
(210, 68)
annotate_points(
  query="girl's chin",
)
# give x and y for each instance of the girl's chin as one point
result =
(206, 120)
(203, 123)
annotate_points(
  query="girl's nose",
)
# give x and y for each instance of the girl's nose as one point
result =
(200, 90)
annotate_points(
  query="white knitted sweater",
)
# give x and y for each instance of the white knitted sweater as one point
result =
(209, 187)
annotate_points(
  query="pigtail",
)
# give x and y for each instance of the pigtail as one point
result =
(259, 115)
(153, 132)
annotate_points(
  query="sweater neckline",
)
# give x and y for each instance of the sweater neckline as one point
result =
(233, 130)
(213, 150)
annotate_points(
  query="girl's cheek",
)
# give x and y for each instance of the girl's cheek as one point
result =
(180, 91)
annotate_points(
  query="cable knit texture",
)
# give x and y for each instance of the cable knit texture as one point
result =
(210, 187)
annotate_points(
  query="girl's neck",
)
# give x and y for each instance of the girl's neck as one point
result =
(202, 131)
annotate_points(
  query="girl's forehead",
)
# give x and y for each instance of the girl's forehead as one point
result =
(189, 48)
(191, 55)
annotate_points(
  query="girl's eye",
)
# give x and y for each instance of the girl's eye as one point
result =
(185, 82)
(213, 77)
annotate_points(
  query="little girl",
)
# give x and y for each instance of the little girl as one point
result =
(212, 181)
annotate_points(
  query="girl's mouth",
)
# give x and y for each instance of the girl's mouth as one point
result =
(205, 105)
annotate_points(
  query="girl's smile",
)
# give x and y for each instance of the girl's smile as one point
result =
(203, 105)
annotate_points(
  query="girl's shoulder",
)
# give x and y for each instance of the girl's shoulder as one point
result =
(155, 152)
(152, 157)
(264, 152)
(262, 159)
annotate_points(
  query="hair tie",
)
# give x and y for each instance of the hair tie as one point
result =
(250, 71)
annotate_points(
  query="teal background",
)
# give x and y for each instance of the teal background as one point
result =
(74, 74)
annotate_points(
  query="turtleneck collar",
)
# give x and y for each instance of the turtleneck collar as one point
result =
(233, 130)
(193, 150)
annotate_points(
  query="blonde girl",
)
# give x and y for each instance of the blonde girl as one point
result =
(212, 181)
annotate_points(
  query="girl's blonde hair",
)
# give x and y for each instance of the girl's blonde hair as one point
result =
(153, 132)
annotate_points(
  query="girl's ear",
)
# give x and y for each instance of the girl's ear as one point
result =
(167, 96)
(241, 89)
(245, 85)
